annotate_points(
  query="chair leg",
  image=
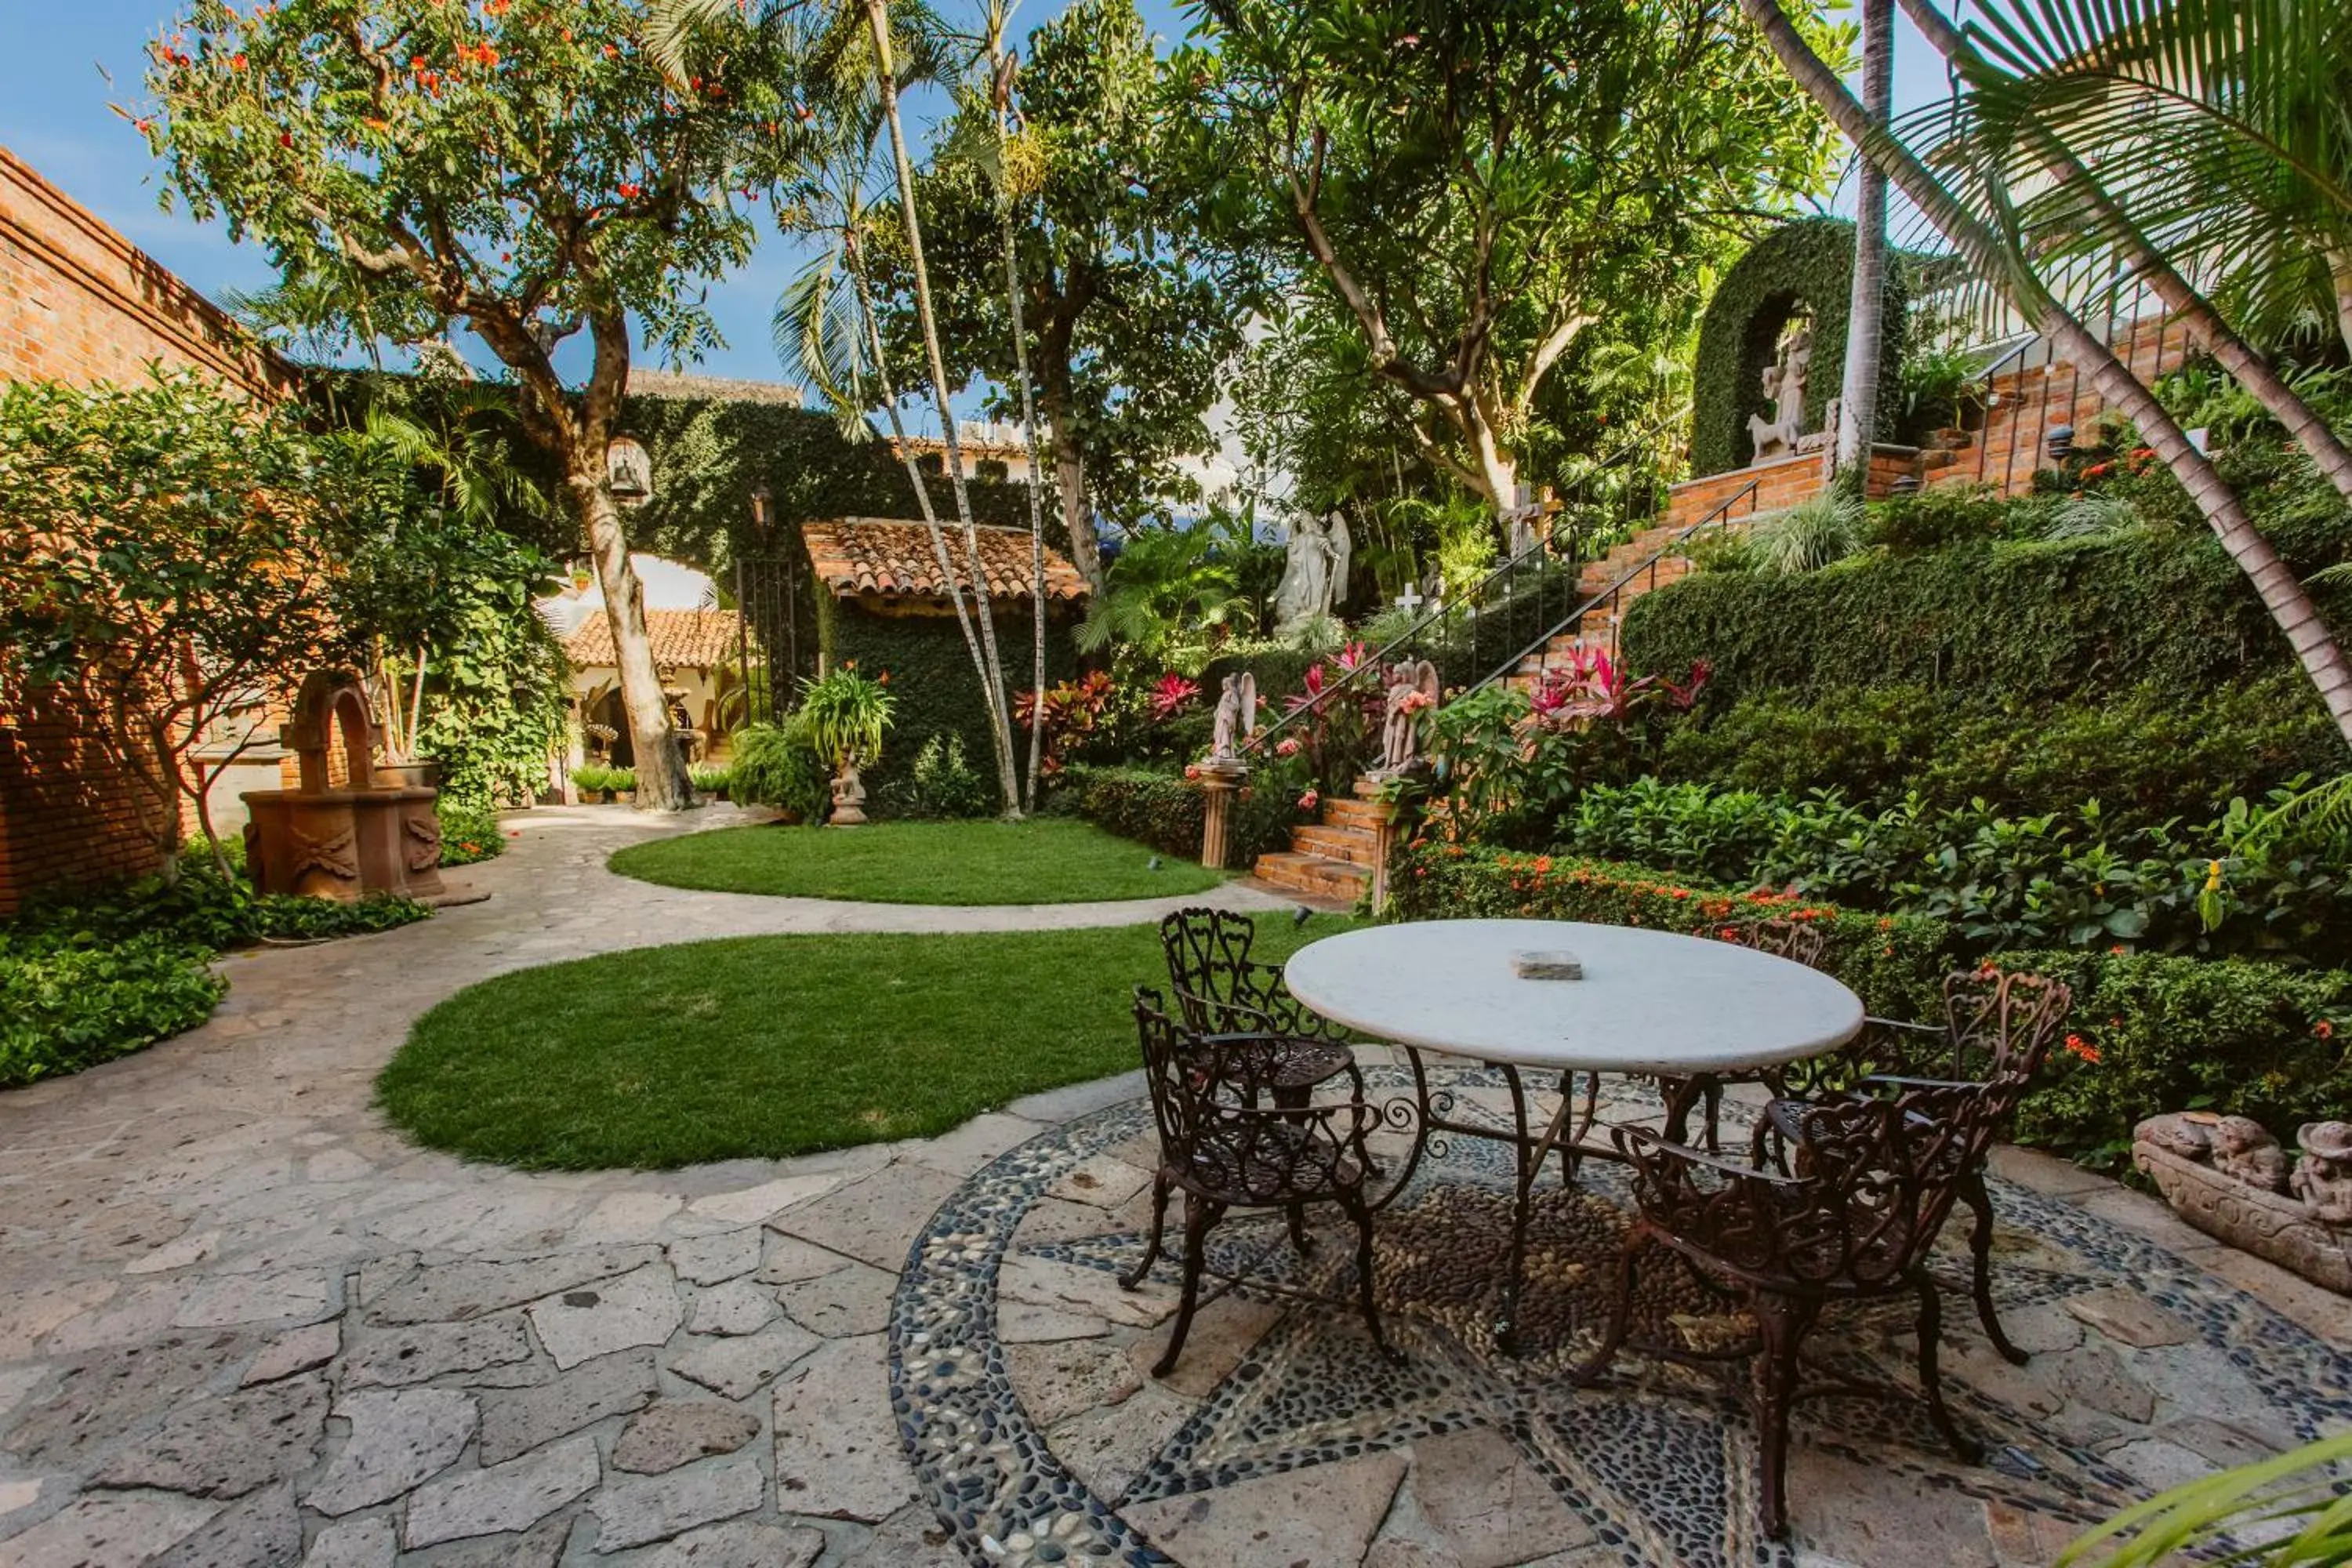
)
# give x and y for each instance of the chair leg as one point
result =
(1780, 1326)
(1298, 1228)
(1979, 1202)
(1135, 1275)
(1621, 1314)
(1366, 1282)
(1199, 1215)
(1931, 1380)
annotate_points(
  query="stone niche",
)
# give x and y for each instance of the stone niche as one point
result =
(342, 840)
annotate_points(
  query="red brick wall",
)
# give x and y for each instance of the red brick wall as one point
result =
(2026, 407)
(80, 303)
(1781, 483)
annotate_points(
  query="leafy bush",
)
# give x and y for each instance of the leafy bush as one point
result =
(469, 832)
(775, 766)
(712, 779)
(1819, 531)
(1936, 517)
(68, 1004)
(1167, 812)
(942, 784)
(2152, 1032)
(2001, 881)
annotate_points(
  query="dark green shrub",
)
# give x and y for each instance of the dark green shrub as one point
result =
(1936, 517)
(1166, 811)
(1868, 742)
(774, 765)
(2151, 1032)
(942, 782)
(69, 1003)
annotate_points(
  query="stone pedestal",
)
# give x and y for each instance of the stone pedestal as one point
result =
(1220, 781)
(1384, 837)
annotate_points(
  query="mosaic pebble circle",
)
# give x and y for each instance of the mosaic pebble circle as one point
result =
(1656, 1461)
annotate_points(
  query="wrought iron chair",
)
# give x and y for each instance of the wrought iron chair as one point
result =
(1998, 1026)
(1220, 991)
(1222, 1152)
(1842, 1200)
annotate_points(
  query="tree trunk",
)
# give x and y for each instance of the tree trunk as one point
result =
(991, 673)
(1498, 470)
(1069, 470)
(662, 781)
(2231, 352)
(1866, 319)
(2339, 273)
(1036, 503)
(2314, 646)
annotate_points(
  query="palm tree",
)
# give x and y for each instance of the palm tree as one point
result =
(2006, 268)
(842, 73)
(1866, 312)
(1985, 129)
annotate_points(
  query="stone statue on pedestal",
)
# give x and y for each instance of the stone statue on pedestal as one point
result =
(1784, 385)
(1236, 716)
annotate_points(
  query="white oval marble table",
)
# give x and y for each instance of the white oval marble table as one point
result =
(1686, 1009)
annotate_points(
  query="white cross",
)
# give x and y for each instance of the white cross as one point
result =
(1410, 600)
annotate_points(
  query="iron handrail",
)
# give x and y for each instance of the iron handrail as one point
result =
(1719, 515)
(1372, 666)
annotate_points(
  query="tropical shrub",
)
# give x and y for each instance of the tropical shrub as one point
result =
(66, 1005)
(1077, 712)
(942, 782)
(712, 779)
(593, 779)
(775, 765)
(843, 714)
(1166, 811)
(469, 832)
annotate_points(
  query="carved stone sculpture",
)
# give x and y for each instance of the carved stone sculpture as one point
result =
(2225, 1176)
(1784, 387)
(1413, 689)
(848, 797)
(1305, 590)
(2322, 1176)
(1235, 717)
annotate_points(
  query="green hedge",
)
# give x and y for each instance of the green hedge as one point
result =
(1808, 261)
(2148, 1032)
(1166, 812)
(2007, 623)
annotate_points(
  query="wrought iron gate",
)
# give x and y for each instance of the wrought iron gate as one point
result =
(778, 642)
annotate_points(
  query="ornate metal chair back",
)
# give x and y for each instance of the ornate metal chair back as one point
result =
(1794, 940)
(1209, 967)
(1999, 1025)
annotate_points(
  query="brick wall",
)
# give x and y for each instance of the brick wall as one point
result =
(1781, 483)
(80, 303)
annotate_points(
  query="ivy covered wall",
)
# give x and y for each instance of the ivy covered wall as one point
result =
(931, 676)
(1808, 263)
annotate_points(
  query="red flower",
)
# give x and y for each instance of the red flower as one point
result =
(2323, 1030)
(631, 190)
(2082, 1050)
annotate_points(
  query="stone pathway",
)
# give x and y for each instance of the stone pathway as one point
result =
(242, 1322)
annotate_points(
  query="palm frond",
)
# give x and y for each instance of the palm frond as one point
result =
(2210, 1519)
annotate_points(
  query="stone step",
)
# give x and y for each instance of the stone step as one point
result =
(1353, 811)
(1313, 874)
(1357, 846)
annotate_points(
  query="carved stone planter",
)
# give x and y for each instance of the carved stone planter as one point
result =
(848, 800)
(341, 842)
(2254, 1218)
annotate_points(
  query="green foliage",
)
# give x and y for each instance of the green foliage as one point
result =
(943, 783)
(1807, 264)
(932, 677)
(2002, 881)
(2158, 1032)
(496, 701)
(1936, 517)
(712, 779)
(776, 765)
(469, 834)
(1596, 193)
(66, 1005)
(1166, 811)
(171, 551)
(1816, 532)
(2145, 752)
(1173, 594)
(844, 713)
(2299, 1491)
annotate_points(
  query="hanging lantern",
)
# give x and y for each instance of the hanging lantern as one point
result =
(628, 471)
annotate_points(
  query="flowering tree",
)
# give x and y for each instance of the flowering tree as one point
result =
(171, 556)
(526, 170)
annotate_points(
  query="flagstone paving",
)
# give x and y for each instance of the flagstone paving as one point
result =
(243, 1323)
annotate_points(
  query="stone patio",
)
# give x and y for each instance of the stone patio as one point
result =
(242, 1322)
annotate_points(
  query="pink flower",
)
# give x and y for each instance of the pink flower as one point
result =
(1309, 801)
(1171, 694)
(1287, 747)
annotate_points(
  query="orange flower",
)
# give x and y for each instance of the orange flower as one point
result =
(2323, 1030)
(2082, 1050)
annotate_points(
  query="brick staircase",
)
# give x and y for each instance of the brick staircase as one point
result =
(1599, 624)
(1331, 857)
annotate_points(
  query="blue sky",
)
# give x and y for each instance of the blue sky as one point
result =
(55, 93)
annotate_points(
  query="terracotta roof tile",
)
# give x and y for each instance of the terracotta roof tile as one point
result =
(860, 555)
(690, 639)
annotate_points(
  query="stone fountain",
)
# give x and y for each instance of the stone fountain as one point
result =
(340, 841)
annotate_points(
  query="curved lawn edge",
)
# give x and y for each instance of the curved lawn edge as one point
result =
(771, 1047)
(966, 865)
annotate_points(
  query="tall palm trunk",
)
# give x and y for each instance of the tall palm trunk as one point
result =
(2231, 352)
(991, 672)
(1865, 322)
(1001, 83)
(2323, 660)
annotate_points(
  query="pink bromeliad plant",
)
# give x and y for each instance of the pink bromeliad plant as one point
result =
(1173, 695)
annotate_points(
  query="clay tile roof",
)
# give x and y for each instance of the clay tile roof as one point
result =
(682, 639)
(861, 555)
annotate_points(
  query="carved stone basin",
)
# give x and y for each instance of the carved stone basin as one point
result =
(341, 842)
(2254, 1219)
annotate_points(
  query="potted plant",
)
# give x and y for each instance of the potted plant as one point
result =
(621, 786)
(845, 714)
(397, 687)
(712, 779)
(593, 781)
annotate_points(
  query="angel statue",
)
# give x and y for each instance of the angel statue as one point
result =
(1305, 590)
(1342, 550)
(1413, 689)
(1236, 716)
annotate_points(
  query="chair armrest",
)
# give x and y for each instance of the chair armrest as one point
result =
(1628, 1139)
(1874, 1023)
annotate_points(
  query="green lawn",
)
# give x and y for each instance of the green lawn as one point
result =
(1044, 860)
(772, 1045)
